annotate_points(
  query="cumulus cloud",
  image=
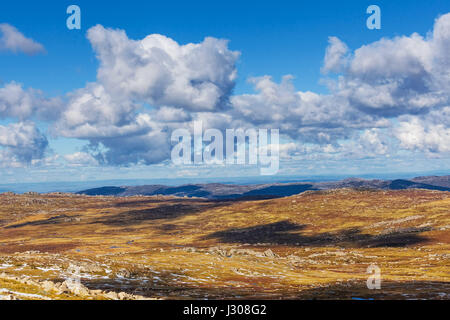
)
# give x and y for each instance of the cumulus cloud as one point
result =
(391, 77)
(13, 40)
(408, 75)
(118, 134)
(306, 116)
(430, 134)
(336, 56)
(395, 88)
(144, 89)
(161, 72)
(168, 114)
(366, 144)
(150, 148)
(92, 112)
(81, 159)
(21, 143)
(373, 143)
(19, 103)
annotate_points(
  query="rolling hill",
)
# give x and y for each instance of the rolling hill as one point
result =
(314, 245)
(219, 191)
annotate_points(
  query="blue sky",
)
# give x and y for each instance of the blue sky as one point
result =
(274, 39)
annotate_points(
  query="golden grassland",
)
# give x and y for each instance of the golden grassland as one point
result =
(316, 245)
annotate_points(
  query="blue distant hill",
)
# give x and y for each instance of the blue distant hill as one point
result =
(220, 191)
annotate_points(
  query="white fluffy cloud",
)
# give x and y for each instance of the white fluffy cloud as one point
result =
(13, 40)
(395, 88)
(81, 159)
(391, 77)
(19, 103)
(118, 134)
(161, 72)
(336, 56)
(408, 75)
(430, 134)
(144, 89)
(306, 116)
(92, 112)
(381, 80)
(366, 144)
(21, 143)
(373, 143)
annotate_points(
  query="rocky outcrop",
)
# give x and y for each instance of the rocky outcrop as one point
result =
(69, 288)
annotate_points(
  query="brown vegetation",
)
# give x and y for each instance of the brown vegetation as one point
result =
(314, 245)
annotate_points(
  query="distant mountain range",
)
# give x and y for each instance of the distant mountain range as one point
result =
(218, 191)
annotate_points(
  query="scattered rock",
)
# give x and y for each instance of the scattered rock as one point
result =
(269, 254)
(123, 296)
(123, 273)
(112, 295)
(48, 286)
